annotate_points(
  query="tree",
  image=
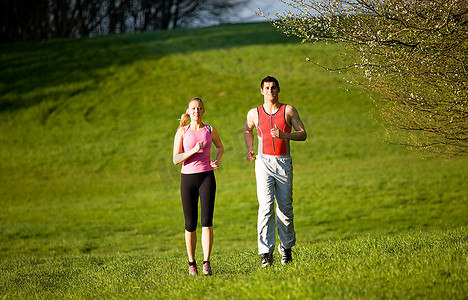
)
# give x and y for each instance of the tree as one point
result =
(23, 20)
(410, 54)
(20, 21)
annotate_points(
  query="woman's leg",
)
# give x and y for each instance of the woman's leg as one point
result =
(207, 242)
(189, 194)
(207, 193)
(191, 243)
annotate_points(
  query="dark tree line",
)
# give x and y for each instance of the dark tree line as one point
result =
(26, 20)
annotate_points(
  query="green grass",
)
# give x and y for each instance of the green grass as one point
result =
(372, 266)
(89, 194)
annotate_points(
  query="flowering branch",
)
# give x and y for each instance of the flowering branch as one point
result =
(411, 55)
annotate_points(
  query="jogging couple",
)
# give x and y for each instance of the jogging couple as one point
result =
(274, 122)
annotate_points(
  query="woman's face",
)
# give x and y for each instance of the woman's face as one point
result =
(195, 110)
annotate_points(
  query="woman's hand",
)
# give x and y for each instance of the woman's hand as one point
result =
(214, 164)
(198, 146)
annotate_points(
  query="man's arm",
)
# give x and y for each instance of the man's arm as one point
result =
(299, 134)
(248, 134)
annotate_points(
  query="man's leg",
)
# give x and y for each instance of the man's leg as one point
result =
(266, 210)
(284, 211)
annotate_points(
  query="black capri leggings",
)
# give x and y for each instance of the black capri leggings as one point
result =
(191, 187)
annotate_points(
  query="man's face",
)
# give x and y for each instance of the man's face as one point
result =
(270, 91)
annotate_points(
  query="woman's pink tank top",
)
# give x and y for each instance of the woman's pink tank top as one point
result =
(200, 161)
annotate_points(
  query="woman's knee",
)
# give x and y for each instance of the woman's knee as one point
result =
(190, 226)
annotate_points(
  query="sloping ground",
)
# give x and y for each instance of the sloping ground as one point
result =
(89, 194)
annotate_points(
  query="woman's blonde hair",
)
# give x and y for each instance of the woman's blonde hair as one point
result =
(185, 117)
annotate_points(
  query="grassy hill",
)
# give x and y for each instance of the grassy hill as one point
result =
(90, 197)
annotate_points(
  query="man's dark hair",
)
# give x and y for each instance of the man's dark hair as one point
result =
(269, 79)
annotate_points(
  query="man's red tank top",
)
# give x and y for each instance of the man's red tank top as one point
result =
(266, 143)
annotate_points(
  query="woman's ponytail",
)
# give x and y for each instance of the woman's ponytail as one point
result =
(184, 119)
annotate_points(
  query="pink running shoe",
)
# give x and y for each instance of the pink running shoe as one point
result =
(207, 268)
(192, 270)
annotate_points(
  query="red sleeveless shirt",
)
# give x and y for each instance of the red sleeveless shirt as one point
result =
(266, 143)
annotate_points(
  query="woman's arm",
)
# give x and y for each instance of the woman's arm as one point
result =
(178, 154)
(219, 148)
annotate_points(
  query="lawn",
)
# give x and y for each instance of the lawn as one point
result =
(90, 197)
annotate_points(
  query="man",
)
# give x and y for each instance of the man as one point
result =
(273, 169)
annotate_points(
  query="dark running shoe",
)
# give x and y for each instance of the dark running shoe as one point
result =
(267, 259)
(286, 256)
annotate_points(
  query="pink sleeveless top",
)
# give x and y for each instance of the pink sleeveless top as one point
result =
(200, 161)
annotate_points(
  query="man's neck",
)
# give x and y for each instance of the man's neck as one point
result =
(271, 106)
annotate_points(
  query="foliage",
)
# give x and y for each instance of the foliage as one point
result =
(412, 56)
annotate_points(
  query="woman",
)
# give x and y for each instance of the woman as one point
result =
(192, 146)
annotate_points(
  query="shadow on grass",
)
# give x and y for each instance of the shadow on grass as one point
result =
(64, 68)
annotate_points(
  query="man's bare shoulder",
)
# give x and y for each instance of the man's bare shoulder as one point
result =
(252, 112)
(252, 116)
(290, 112)
(290, 109)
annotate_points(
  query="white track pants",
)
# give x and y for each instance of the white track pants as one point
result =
(274, 181)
